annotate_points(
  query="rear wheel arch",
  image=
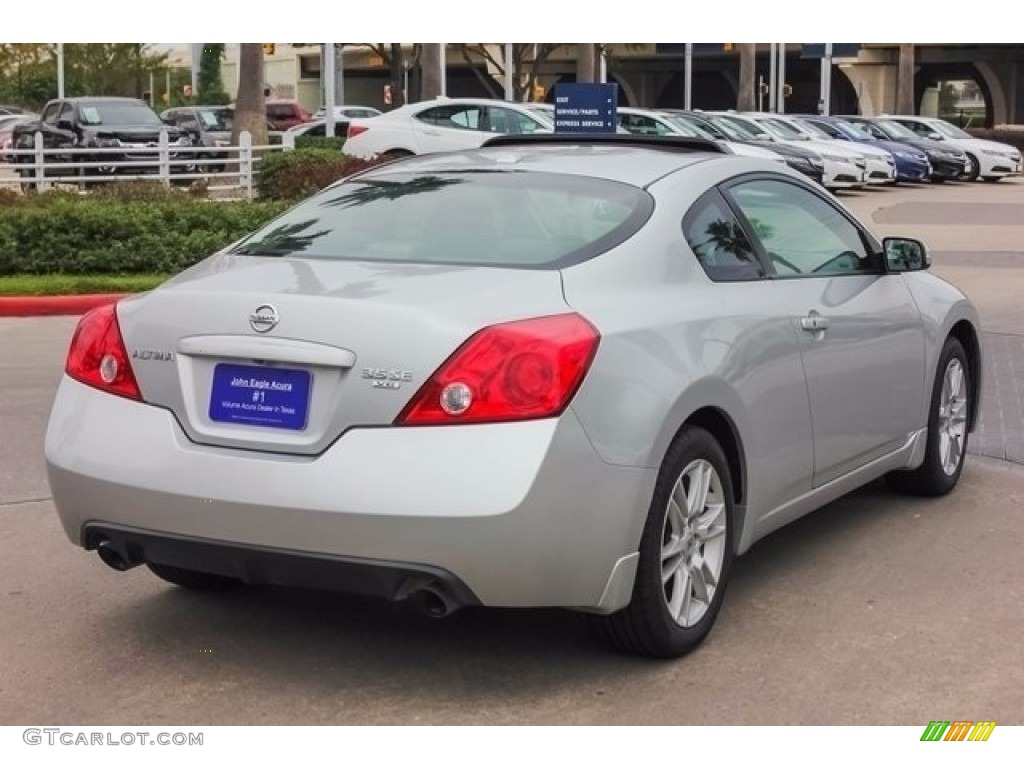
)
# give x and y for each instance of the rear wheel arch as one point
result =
(721, 427)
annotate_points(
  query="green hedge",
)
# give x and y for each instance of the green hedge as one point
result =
(333, 143)
(302, 172)
(76, 235)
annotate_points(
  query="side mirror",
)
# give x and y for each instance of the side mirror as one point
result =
(904, 254)
(935, 136)
(65, 125)
(189, 125)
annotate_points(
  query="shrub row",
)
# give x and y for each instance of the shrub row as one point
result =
(144, 227)
(302, 172)
(68, 234)
(334, 143)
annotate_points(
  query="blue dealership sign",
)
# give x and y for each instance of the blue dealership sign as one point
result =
(586, 107)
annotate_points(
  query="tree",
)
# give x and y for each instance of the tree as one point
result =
(430, 71)
(399, 64)
(210, 85)
(110, 69)
(528, 60)
(28, 73)
(745, 101)
(251, 103)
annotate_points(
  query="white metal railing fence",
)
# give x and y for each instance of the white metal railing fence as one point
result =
(230, 168)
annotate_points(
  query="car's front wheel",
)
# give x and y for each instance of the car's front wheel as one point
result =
(948, 420)
(973, 168)
(189, 579)
(686, 554)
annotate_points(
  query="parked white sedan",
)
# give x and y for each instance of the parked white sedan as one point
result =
(441, 125)
(990, 160)
(651, 122)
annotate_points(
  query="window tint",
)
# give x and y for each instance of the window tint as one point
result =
(118, 113)
(719, 242)
(67, 112)
(50, 113)
(801, 232)
(519, 219)
(459, 116)
(643, 125)
(827, 128)
(502, 120)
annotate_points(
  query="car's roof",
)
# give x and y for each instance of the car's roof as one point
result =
(102, 100)
(625, 163)
(440, 102)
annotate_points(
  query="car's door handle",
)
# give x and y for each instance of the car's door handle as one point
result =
(431, 133)
(813, 322)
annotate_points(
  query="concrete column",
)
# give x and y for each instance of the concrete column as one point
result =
(875, 86)
(905, 81)
(586, 63)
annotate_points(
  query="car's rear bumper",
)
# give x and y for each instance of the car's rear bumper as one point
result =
(522, 514)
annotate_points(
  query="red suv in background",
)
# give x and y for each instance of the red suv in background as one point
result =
(284, 113)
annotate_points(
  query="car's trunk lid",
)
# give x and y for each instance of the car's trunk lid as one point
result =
(285, 354)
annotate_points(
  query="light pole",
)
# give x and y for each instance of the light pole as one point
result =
(509, 74)
(60, 70)
(442, 59)
(782, 79)
(327, 70)
(826, 80)
(688, 77)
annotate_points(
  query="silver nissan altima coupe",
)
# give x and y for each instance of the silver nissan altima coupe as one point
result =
(552, 371)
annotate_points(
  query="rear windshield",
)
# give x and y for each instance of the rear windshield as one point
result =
(485, 218)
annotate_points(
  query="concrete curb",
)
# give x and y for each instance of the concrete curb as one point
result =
(36, 306)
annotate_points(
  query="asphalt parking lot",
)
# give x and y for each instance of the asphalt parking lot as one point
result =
(875, 610)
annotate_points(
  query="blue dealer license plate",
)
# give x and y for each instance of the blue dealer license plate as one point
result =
(263, 397)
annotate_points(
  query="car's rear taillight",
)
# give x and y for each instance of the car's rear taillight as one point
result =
(98, 357)
(354, 130)
(528, 369)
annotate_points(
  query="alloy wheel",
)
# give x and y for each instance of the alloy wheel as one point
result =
(952, 417)
(693, 543)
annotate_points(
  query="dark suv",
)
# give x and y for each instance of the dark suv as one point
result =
(101, 123)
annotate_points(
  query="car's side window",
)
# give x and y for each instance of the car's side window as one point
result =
(718, 240)
(828, 128)
(919, 128)
(67, 112)
(642, 124)
(50, 114)
(872, 130)
(502, 120)
(458, 116)
(801, 232)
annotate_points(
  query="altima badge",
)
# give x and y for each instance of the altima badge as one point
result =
(386, 378)
(263, 319)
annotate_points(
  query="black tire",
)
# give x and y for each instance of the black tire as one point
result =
(975, 168)
(646, 627)
(196, 580)
(992, 179)
(938, 180)
(931, 478)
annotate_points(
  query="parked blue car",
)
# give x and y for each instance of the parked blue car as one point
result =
(911, 164)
